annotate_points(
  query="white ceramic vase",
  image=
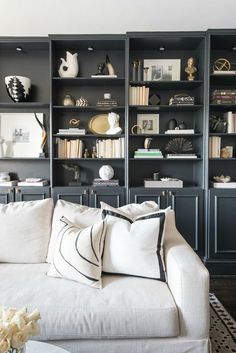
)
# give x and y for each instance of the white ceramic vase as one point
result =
(70, 66)
(18, 87)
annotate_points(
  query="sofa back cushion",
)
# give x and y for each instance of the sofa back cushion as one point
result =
(84, 216)
(25, 229)
(134, 245)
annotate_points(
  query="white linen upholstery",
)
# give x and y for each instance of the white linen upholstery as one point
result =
(126, 306)
(85, 216)
(78, 253)
(188, 280)
(25, 229)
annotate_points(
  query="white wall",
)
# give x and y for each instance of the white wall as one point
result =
(41, 17)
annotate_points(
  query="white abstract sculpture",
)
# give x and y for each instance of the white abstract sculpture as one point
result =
(113, 120)
(1, 147)
(106, 172)
(70, 66)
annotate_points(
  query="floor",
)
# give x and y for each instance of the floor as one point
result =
(225, 290)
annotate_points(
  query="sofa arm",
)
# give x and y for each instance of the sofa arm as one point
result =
(188, 280)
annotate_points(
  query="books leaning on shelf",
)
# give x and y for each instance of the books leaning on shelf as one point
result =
(168, 183)
(180, 132)
(105, 183)
(214, 146)
(230, 118)
(148, 153)
(71, 131)
(9, 183)
(111, 148)
(33, 182)
(138, 95)
(69, 148)
(181, 155)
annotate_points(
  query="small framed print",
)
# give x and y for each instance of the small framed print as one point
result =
(148, 123)
(162, 70)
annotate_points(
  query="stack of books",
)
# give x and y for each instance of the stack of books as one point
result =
(71, 131)
(214, 146)
(9, 183)
(224, 72)
(138, 95)
(69, 148)
(111, 148)
(101, 182)
(180, 132)
(33, 182)
(181, 155)
(227, 96)
(148, 153)
(230, 118)
(106, 103)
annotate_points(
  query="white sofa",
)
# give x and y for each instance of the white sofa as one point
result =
(129, 315)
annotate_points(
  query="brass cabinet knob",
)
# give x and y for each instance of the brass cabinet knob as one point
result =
(10, 191)
(85, 192)
(18, 191)
(163, 193)
(93, 192)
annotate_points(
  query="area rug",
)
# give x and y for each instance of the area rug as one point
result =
(222, 328)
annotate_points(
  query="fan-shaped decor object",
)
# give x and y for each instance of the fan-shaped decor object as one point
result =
(18, 88)
(179, 145)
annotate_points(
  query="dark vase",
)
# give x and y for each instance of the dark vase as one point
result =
(172, 124)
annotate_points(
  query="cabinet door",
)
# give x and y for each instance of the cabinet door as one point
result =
(6, 194)
(112, 196)
(31, 193)
(71, 194)
(222, 239)
(188, 207)
(139, 195)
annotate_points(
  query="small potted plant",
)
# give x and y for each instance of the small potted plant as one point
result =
(16, 327)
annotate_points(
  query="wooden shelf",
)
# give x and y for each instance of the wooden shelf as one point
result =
(223, 159)
(166, 135)
(89, 136)
(24, 105)
(89, 81)
(173, 108)
(224, 134)
(183, 84)
(90, 159)
(24, 159)
(88, 109)
(166, 159)
(223, 107)
(223, 79)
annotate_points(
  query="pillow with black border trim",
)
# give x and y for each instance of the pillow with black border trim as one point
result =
(78, 253)
(134, 246)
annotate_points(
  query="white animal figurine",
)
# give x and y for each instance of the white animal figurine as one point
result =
(70, 66)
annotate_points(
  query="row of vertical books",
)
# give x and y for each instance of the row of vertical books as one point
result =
(69, 148)
(138, 95)
(214, 146)
(110, 148)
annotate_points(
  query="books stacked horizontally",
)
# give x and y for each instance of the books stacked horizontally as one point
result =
(138, 95)
(71, 131)
(111, 148)
(181, 155)
(230, 185)
(33, 182)
(227, 96)
(148, 153)
(230, 118)
(214, 146)
(106, 103)
(163, 183)
(9, 183)
(224, 72)
(180, 132)
(101, 182)
(69, 148)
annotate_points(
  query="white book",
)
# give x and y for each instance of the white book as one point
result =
(103, 76)
(176, 156)
(39, 183)
(172, 183)
(9, 183)
(178, 132)
(210, 147)
(231, 185)
(228, 116)
(227, 73)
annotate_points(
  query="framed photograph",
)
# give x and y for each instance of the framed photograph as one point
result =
(148, 123)
(20, 134)
(162, 70)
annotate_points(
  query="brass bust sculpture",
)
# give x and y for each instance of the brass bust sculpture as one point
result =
(190, 69)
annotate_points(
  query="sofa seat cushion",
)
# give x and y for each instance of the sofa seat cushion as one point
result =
(126, 307)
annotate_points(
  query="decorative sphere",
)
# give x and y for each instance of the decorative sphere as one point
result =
(106, 172)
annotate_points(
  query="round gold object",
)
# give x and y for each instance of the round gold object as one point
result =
(138, 129)
(221, 65)
(98, 124)
(74, 122)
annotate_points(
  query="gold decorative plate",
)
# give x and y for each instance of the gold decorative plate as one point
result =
(98, 124)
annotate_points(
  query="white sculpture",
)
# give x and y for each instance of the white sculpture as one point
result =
(70, 66)
(113, 120)
(1, 147)
(106, 172)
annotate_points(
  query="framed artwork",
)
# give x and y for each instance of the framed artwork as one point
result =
(162, 70)
(148, 123)
(21, 134)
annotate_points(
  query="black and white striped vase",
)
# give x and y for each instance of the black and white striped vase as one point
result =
(18, 88)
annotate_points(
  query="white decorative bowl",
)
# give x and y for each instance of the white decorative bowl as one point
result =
(18, 87)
